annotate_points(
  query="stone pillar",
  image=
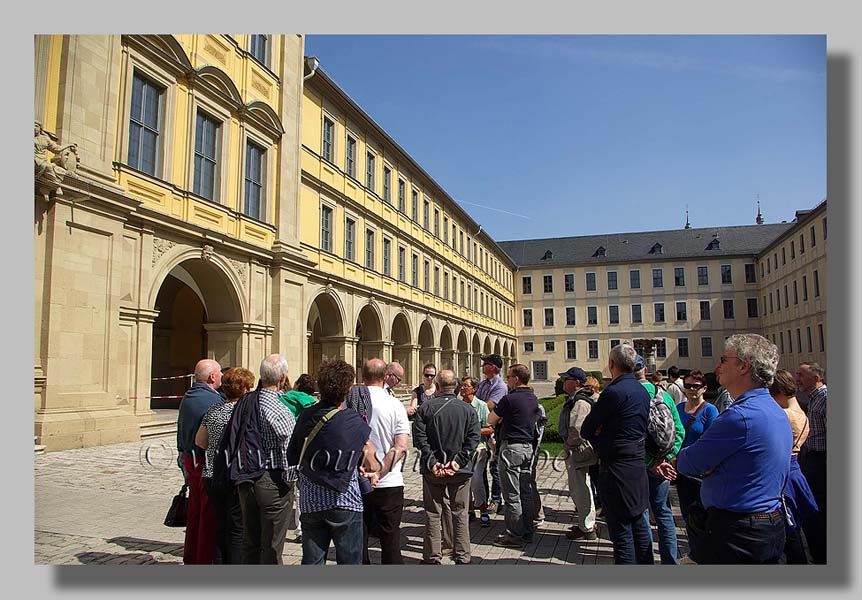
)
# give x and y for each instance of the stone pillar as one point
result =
(415, 367)
(140, 322)
(386, 352)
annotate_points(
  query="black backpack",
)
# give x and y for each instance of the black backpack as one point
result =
(240, 457)
(661, 428)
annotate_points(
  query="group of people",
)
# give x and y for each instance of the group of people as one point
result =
(326, 455)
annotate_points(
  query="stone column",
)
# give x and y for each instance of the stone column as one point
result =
(386, 352)
(415, 367)
(141, 321)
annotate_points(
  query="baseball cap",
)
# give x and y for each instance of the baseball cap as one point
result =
(639, 363)
(493, 359)
(575, 373)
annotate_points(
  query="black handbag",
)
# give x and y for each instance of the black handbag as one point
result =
(176, 516)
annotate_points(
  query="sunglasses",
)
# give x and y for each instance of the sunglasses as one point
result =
(693, 386)
(429, 374)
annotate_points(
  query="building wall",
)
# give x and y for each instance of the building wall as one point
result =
(693, 327)
(487, 308)
(796, 262)
(107, 246)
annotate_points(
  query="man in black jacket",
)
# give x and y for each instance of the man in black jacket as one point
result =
(446, 432)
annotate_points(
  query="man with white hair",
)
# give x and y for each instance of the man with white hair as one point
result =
(743, 459)
(200, 518)
(809, 378)
(266, 500)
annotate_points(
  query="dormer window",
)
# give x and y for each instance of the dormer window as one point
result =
(600, 251)
(656, 249)
(548, 255)
(714, 244)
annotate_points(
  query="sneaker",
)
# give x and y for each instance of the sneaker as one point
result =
(539, 523)
(579, 534)
(506, 541)
(485, 520)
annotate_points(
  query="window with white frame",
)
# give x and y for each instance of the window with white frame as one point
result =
(326, 228)
(255, 173)
(612, 280)
(387, 185)
(207, 132)
(350, 157)
(369, 171)
(349, 239)
(569, 280)
(328, 149)
(682, 347)
(637, 317)
(591, 282)
(387, 259)
(570, 316)
(726, 274)
(614, 314)
(528, 317)
(259, 47)
(369, 249)
(571, 350)
(549, 347)
(593, 346)
(549, 317)
(145, 124)
(592, 315)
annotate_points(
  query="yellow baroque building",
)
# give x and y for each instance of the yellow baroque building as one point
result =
(216, 196)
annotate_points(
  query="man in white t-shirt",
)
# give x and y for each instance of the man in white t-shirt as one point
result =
(389, 430)
(674, 385)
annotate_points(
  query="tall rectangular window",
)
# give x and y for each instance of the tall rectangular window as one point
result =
(462, 292)
(783, 256)
(206, 156)
(570, 316)
(415, 275)
(369, 171)
(548, 284)
(402, 202)
(454, 235)
(612, 280)
(682, 347)
(636, 314)
(795, 292)
(657, 279)
(799, 339)
(658, 308)
(446, 285)
(704, 310)
(436, 281)
(777, 299)
(750, 273)
(805, 288)
(446, 230)
(387, 185)
(786, 298)
(461, 243)
(681, 314)
(706, 347)
(145, 123)
(821, 337)
(808, 336)
(349, 239)
(728, 309)
(593, 346)
(255, 166)
(752, 308)
(592, 315)
(436, 223)
(326, 228)
(387, 260)
(527, 284)
(792, 249)
(635, 280)
(816, 284)
(771, 304)
(402, 264)
(414, 201)
(569, 281)
(824, 228)
(528, 317)
(801, 243)
(571, 350)
(549, 317)
(612, 343)
(426, 277)
(591, 282)
(725, 274)
(369, 249)
(328, 138)
(350, 157)
(703, 275)
(259, 47)
(426, 215)
(679, 277)
(614, 314)
(661, 349)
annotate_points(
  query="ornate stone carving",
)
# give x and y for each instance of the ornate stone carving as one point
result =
(240, 268)
(207, 252)
(161, 246)
(50, 174)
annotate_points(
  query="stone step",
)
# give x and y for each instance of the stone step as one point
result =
(38, 449)
(156, 429)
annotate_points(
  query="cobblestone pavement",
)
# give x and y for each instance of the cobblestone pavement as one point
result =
(105, 505)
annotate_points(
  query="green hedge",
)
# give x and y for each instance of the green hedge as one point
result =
(553, 407)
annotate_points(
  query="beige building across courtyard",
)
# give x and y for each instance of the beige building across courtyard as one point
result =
(680, 293)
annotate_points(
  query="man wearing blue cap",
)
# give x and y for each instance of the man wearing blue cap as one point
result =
(580, 454)
(616, 426)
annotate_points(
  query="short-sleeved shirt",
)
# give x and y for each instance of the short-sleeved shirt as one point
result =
(388, 419)
(492, 389)
(519, 410)
(482, 412)
(215, 420)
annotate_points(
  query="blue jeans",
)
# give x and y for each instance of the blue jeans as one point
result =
(342, 527)
(659, 488)
(632, 539)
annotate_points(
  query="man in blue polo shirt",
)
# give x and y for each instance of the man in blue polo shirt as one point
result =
(491, 389)
(743, 459)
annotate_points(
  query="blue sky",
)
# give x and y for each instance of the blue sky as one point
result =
(592, 134)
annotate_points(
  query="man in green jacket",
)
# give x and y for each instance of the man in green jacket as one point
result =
(660, 475)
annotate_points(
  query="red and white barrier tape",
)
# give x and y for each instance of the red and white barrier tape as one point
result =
(177, 377)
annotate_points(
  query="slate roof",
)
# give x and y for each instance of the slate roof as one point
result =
(635, 247)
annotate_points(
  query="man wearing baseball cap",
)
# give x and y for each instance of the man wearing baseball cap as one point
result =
(579, 452)
(491, 390)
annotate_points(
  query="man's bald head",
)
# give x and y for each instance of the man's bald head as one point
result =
(373, 371)
(208, 371)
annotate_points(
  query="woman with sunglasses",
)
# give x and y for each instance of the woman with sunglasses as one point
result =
(424, 391)
(696, 415)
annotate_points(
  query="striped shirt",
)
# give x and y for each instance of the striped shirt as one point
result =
(316, 498)
(276, 427)
(817, 420)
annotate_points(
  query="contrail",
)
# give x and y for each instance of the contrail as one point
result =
(496, 209)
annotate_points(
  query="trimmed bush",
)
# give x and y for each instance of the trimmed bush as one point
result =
(553, 407)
